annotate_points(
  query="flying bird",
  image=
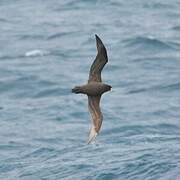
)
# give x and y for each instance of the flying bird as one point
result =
(95, 88)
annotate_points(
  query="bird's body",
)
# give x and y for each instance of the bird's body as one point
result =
(92, 89)
(95, 88)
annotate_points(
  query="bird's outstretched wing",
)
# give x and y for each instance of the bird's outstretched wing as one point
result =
(96, 115)
(99, 62)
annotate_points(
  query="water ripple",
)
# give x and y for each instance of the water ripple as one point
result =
(149, 43)
(47, 47)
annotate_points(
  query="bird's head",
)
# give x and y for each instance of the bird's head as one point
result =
(108, 87)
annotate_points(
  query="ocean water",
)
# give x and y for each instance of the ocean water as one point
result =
(47, 47)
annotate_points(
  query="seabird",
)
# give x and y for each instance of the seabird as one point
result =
(95, 88)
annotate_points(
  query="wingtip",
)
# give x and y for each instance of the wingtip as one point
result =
(98, 40)
(99, 43)
(92, 135)
(96, 36)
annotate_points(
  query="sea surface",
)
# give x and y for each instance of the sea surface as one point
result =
(47, 47)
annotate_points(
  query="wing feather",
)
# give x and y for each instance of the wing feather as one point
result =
(96, 116)
(99, 62)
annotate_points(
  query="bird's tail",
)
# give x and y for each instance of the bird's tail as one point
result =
(92, 135)
(77, 90)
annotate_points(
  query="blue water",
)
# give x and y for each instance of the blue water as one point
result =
(47, 47)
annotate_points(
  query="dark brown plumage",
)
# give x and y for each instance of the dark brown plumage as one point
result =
(95, 88)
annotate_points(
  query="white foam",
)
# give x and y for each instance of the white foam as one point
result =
(151, 37)
(36, 52)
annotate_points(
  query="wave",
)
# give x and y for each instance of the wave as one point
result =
(36, 52)
(58, 35)
(174, 86)
(3, 20)
(149, 43)
(32, 37)
(156, 58)
(177, 28)
(174, 45)
(11, 57)
(147, 129)
(32, 53)
(134, 91)
(169, 87)
(158, 5)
